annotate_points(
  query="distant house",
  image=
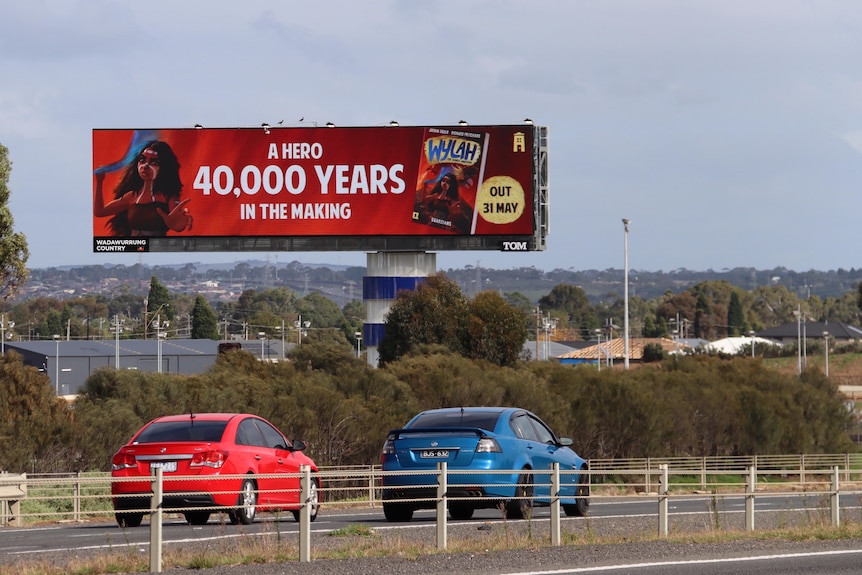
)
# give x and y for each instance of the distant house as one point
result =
(69, 363)
(614, 351)
(547, 349)
(737, 344)
(792, 332)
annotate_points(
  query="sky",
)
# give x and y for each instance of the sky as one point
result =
(728, 131)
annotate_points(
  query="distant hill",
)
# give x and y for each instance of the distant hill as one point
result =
(344, 283)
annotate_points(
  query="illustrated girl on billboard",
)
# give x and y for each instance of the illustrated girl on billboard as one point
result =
(443, 207)
(147, 198)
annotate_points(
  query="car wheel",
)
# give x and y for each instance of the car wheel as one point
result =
(246, 504)
(582, 503)
(460, 510)
(313, 500)
(397, 512)
(129, 519)
(197, 517)
(521, 508)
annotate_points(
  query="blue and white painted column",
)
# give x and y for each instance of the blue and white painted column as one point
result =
(387, 274)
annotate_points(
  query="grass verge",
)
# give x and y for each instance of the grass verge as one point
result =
(361, 541)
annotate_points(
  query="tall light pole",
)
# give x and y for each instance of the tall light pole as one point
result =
(798, 314)
(300, 326)
(626, 223)
(57, 364)
(160, 336)
(826, 344)
(117, 344)
(599, 348)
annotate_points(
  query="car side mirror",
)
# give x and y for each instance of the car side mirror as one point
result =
(299, 445)
(566, 441)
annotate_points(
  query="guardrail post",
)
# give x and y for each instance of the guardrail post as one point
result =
(156, 522)
(371, 485)
(750, 486)
(802, 469)
(647, 481)
(703, 473)
(836, 517)
(442, 488)
(662, 501)
(304, 514)
(555, 504)
(76, 502)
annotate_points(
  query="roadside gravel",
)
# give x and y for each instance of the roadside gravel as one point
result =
(532, 560)
(539, 557)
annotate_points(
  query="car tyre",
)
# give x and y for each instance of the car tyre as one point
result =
(127, 519)
(197, 517)
(313, 500)
(460, 510)
(582, 503)
(246, 505)
(521, 508)
(397, 512)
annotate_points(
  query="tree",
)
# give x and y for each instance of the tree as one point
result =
(34, 423)
(574, 302)
(204, 321)
(496, 330)
(13, 246)
(486, 328)
(433, 313)
(158, 305)
(736, 324)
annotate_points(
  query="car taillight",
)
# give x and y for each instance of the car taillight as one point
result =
(389, 445)
(123, 461)
(214, 459)
(488, 445)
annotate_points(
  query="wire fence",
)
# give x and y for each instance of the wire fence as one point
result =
(27, 499)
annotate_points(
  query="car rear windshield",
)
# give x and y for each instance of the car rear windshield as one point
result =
(483, 419)
(191, 430)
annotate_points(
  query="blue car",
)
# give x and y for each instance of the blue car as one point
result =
(510, 450)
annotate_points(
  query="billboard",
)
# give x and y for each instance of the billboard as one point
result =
(320, 189)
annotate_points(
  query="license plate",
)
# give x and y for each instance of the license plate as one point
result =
(434, 453)
(167, 466)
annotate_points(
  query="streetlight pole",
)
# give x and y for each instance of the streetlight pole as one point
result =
(599, 348)
(57, 364)
(826, 343)
(160, 336)
(117, 344)
(798, 314)
(626, 223)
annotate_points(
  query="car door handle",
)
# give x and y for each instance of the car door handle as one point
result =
(257, 457)
(280, 461)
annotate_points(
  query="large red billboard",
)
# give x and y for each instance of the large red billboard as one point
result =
(174, 185)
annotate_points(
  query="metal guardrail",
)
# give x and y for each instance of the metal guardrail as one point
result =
(79, 496)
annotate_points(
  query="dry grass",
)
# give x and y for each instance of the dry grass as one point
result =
(360, 541)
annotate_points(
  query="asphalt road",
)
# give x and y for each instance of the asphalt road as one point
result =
(623, 518)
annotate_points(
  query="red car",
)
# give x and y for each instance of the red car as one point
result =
(205, 446)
